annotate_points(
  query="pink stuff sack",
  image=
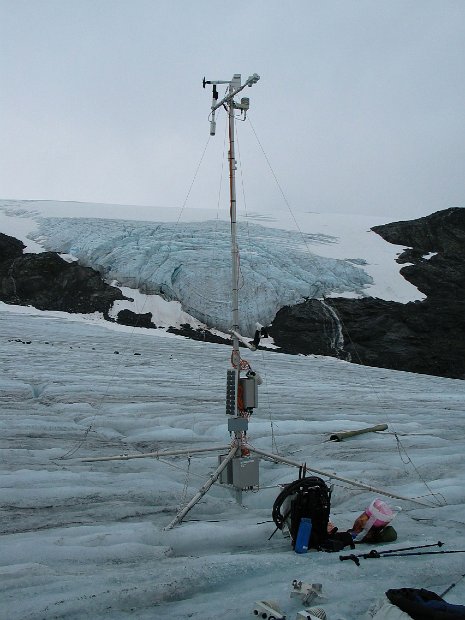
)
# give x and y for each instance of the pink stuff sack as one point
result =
(381, 512)
(378, 514)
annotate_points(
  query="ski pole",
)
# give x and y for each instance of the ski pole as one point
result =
(270, 537)
(352, 557)
(452, 585)
(277, 527)
(383, 551)
(376, 554)
(403, 555)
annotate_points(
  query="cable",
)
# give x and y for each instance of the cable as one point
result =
(400, 447)
(274, 445)
(186, 483)
(279, 187)
(80, 443)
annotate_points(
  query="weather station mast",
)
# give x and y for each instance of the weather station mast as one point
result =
(228, 102)
(246, 389)
(241, 393)
(237, 469)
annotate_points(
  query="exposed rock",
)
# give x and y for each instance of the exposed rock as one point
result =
(423, 337)
(441, 276)
(305, 328)
(128, 317)
(47, 282)
(10, 247)
(443, 231)
(203, 335)
(426, 337)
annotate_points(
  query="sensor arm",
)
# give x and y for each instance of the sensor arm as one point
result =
(251, 80)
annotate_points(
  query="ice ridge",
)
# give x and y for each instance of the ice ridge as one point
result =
(191, 263)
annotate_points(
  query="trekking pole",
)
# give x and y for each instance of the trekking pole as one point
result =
(270, 537)
(452, 586)
(403, 555)
(383, 551)
(376, 554)
(284, 519)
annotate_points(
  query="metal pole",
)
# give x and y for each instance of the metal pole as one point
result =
(236, 356)
(158, 454)
(213, 478)
(360, 485)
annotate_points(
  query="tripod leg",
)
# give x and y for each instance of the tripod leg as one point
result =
(203, 490)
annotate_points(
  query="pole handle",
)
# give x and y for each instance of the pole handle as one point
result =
(352, 557)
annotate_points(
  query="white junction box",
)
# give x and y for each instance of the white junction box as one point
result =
(242, 472)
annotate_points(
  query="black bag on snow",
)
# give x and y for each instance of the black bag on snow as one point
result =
(422, 604)
(309, 498)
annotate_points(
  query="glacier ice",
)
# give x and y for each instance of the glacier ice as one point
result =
(190, 263)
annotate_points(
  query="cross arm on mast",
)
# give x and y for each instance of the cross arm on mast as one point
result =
(253, 79)
(235, 87)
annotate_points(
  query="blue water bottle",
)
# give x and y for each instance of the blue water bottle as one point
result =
(303, 536)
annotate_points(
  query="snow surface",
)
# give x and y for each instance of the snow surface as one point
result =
(165, 313)
(186, 255)
(86, 540)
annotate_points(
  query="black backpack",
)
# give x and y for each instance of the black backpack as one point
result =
(307, 497)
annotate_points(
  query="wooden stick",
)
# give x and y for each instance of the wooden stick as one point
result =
(345, 434)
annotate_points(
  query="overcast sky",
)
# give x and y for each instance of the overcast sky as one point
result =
(360, 107)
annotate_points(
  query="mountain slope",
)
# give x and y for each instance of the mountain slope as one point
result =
(320, 295)
(423, 336)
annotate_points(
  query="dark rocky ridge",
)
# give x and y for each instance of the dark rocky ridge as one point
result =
(202, 335)
(133, 319)
(48, 282)
(426, 337)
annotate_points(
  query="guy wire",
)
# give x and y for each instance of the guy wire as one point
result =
(121, 359)
(274, 444)
(400, 446)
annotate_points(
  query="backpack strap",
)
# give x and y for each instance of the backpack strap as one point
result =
(292, 488)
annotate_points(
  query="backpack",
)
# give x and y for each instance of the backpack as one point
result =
(422, 604)
(304, 498)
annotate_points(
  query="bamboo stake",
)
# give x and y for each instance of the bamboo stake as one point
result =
(345, 434)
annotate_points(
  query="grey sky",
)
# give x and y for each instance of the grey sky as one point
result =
(360, 106)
